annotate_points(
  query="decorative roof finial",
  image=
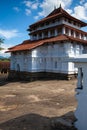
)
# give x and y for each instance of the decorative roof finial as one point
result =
(60, 5)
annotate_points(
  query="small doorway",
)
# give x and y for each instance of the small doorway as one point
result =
(18, 72)
(18, 67)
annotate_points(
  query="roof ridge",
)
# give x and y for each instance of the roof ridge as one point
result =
(56, 11)
(59, 12)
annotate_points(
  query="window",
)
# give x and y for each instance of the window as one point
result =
(18, 67)
(77, 34)
(42, 25)
(34, 28)
(66, 31)
(34, 36)
(52, 32)
(59, 30)
(53, 21)
(82, 37)
(47, 23)
(65, 20)
(75, 23)
(40, 35)
(46, 34)
(72, 33)
(70, 21)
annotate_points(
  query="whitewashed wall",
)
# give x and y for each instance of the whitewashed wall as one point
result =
(81, 92)
(48, 58)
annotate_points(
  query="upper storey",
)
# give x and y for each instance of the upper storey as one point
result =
(54, 24)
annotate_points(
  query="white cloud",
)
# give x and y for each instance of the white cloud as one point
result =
(16, 9)
(82, 1)
(5, 48)
(27, 12)
(2, 52)
(80, 12)
(35, 6)
(48, 5)
(85, 5)
(9, 33)
(30, 5)
(36, 17)
(69, 11)
(27, 3)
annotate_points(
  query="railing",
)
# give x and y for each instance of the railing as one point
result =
(53, 25)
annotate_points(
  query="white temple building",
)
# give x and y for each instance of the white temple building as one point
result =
(52, 39)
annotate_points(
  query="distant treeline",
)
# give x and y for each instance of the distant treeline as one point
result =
(5, 59)
(4, 66)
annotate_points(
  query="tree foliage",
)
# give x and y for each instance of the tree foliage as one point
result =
(1, 41)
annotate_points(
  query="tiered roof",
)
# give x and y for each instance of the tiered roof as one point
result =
(29, 45)
(57, 13)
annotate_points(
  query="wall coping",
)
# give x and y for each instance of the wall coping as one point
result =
(80, 58)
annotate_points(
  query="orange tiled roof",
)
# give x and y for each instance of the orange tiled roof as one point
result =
(58, 13)
(29, 45)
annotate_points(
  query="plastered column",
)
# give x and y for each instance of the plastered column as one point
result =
(55, 32)
(63, 30)
(79, 83)
(49, 35)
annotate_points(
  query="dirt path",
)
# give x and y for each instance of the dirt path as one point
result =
(36, 105)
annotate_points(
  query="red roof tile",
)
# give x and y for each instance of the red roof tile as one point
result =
(29, 45)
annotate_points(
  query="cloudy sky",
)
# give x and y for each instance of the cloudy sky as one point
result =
(17, 15)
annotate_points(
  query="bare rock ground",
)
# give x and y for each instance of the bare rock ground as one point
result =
(39, 105)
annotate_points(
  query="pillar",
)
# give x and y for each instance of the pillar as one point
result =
(49, 35)
(31, 37)
(56, 32)
(69, 32)
(63, 30)
(37, 36)
(80, 35)
(74, 34)
(79, 83)
(42, 35)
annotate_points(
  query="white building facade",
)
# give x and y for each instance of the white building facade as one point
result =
(81, 92)
(52, 39)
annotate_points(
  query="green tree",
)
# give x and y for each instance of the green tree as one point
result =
(1, 41)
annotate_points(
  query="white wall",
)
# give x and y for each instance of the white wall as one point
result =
(81, 96)
(48, 58)
(22, 59)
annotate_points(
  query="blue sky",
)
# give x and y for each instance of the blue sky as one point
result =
(17, 15)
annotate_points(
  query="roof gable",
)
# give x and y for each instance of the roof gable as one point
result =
(59, 12)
